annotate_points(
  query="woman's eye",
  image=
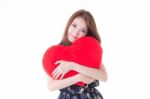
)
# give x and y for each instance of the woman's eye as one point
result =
(83, 31)
(74, 25)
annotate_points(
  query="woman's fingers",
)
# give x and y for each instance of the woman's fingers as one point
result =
(57, 76)
(61, 69)
(58, 62)
(55, 70)
(62, 76)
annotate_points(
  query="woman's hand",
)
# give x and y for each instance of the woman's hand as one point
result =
(63, 68)
(85, 79)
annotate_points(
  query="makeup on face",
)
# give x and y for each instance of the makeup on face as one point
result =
(77, 29)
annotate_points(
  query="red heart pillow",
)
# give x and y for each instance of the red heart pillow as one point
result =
(85, 51)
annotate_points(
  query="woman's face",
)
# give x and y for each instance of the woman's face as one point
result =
(77, 29)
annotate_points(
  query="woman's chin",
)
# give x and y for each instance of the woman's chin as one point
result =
(72, 40)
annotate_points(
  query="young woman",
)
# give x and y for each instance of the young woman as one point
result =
(80, 24)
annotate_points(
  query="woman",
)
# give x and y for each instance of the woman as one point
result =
(80, 24)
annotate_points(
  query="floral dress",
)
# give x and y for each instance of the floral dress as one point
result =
(84, 92)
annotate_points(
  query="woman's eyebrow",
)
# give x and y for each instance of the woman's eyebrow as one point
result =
(74, 23)
(85, 27)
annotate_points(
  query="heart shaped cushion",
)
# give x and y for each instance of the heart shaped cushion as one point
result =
(85, 51)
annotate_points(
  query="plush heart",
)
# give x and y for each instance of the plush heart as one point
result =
(85, 51)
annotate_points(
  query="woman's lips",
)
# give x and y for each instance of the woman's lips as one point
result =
(75, 37)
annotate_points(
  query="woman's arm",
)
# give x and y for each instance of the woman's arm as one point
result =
(59, 84)
(65, 66)
(99, 74)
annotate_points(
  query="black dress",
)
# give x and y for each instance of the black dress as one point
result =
(84, 92)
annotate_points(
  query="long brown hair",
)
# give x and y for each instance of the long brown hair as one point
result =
(92, 29)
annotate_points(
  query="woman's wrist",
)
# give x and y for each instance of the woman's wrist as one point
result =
(78, 77)
(73, 66)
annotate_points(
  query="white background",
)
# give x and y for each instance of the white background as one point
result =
(29, 27)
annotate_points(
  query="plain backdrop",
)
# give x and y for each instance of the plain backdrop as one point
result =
(29, 27)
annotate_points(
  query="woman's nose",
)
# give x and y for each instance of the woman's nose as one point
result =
(77, 32)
